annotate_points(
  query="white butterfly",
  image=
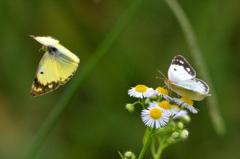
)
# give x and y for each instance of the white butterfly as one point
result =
(182, 80)
(55, 68)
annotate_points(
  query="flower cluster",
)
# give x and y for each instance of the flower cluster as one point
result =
(164, 115)
(158, 106)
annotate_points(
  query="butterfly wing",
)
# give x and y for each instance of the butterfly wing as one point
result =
(66, 67)
(195, 85)
(47, 78)
(194, 89)
(45, 40)
(180, 70)
(56, 67)
(182, 80)
(53, 71)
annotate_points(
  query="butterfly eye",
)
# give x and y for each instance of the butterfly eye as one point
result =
(41, 72)
(52, 49)
(175, 69)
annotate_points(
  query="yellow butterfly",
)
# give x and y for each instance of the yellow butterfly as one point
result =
(55, 68)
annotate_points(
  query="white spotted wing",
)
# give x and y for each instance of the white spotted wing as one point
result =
(182, 80)
(180, 70)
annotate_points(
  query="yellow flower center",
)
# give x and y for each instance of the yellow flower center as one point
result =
(141, 88)
(162, 90)
(164, 104)
(155, 113)
(187, 100)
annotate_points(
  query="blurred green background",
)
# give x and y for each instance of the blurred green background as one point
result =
(96, 125)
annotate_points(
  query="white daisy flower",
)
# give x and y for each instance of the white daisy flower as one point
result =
(141, 91)
(161, 91)
(155, 117)
(185, 103)
(166, 106)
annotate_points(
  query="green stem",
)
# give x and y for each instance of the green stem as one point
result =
(58, 110)
(161, 146)
(146, 142)
(217, 119)
(153, 145)
(158, 154)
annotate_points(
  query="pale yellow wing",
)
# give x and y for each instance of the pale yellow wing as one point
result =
(53, 71)
(47, 78)
(66, 67)
(56, 67)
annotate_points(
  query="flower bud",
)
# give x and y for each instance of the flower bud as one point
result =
(184, 134)
(186, 118)
(130, 107)
(175, 135)
(180, 125)
(148, 100)
(129, 155)
(154, 97)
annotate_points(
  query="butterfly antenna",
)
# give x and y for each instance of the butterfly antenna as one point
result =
(163, 77)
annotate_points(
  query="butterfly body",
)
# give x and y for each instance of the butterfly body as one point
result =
(182, 80)
(55, 68)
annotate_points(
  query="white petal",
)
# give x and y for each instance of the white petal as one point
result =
(180, 114)
(133, 93)
(150, 92)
